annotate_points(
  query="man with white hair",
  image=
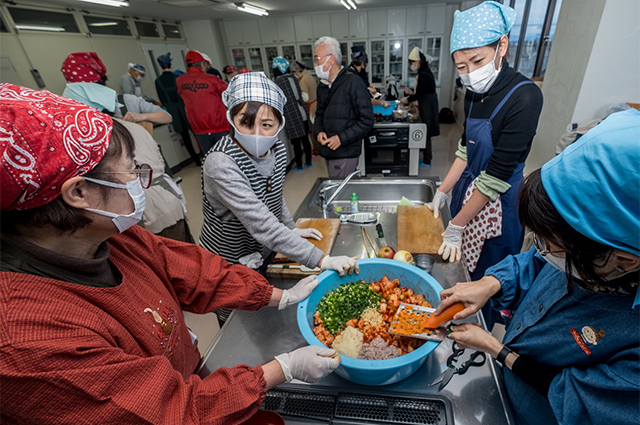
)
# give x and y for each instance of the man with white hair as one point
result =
(344, 115)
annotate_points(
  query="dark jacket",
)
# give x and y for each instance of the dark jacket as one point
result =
(170, 99)
(344, 109)
(295, 110)
(425, 94)
(513, 127)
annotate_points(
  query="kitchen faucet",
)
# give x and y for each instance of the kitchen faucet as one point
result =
(326, 202)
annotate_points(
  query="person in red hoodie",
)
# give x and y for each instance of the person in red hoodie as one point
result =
(202, 96)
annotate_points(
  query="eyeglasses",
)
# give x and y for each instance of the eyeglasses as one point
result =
(143, 171)
(541, 247)
(316, 59)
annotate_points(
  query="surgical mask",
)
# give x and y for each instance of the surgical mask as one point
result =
(139, 78)
(254, 144)
(134, 188)
(481, 80)
(414, 68)
(320, 72)
(560, 263)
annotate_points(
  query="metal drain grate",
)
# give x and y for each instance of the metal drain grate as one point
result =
(329, 405)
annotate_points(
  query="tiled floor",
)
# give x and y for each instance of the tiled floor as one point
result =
(296, 187)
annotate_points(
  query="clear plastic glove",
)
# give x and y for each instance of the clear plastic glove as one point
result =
(341, 264)
(439, 199)
(308, 364)
(309, 233)
(299, 292)
(451, 243)
(253, 261)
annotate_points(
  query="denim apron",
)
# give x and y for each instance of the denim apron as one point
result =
(479, 150)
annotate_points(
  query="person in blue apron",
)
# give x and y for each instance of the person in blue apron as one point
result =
(571, 352)
(245, 215)
(502, 108)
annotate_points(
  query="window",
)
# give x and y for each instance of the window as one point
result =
(171, 31)
(43, 20)
(147, 29)
(3, 27)
(532, 35)
(107, 26)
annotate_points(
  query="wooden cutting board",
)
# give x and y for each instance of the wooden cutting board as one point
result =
(418, 231)
(329, 229)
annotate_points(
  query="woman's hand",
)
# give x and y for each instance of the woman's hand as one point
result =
(299, 292)
(404, 101)
(473, 295)
(471, 335)
(408, 91)
(309, 233)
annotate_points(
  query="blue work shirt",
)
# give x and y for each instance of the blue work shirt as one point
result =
(593, 336)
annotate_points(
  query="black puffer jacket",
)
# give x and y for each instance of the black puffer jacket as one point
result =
(344, 109)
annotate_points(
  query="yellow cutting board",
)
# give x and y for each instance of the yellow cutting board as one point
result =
(327, 226)
(418, 231)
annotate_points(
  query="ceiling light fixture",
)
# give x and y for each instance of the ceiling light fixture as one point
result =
(103, 24)
(115, 3)
(254, 10)
(344, 3)
(39, 28)
(353, 4)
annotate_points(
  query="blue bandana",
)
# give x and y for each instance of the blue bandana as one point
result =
(595, 183)
(481, 25)
(138, 67)
(164, 60)
(281, 63)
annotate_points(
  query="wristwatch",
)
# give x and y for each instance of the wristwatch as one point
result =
(502, 355)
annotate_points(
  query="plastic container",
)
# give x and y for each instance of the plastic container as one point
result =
(373, 372)
(355, 203)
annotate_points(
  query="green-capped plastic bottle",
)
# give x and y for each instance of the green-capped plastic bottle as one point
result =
(355, 204)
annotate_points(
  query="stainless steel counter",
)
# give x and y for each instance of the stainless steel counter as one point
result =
(252, 338)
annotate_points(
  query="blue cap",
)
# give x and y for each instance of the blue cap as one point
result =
(165, 60)
(595, 183)
(481, 25)
(281, 63)
(138, 67)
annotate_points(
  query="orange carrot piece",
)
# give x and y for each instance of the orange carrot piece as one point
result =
(434, 321)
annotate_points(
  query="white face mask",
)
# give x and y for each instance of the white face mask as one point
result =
(320, 72)
(414, 68)
(134, 188)
(139, 78)
(481, 80)
(255, 144)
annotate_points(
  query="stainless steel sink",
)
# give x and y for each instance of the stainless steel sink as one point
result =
(375, 194)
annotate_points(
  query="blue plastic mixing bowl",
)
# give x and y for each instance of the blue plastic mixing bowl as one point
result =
(373, 372)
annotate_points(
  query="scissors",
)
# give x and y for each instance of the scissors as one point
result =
(451, 370)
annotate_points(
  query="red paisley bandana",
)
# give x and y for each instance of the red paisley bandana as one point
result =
(45, 140)
(83, 67)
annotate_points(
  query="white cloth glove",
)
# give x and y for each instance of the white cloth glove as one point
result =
(341, 264)
(308, 364)
(439, 199)
(451, 243)
(310, 233)
(253, 261)
(299, 292)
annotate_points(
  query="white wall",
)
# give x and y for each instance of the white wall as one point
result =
(206, 37)
(613, 72)
(46, 52)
